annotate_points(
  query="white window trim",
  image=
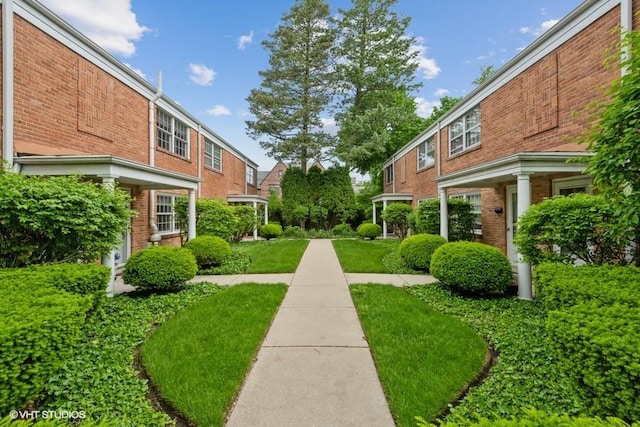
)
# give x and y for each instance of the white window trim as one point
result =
(172, 137)
(572, 182)
(251, 176)
(428, 161)
(212, 158)
(388, 181)
(465, 197)
(173, 220)
(465, 131)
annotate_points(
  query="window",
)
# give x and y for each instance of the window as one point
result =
(212, 155)
(172, 134)
(251, 176)
(576, 184)
(166, 218)
(388, 174)
(476, 208)
(426, 152)
(464, 133)
(273, 188)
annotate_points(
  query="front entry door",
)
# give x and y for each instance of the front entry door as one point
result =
(512, 221)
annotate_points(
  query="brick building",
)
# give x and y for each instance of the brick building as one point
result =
(506, 144)
(270, 181)
(71, 107)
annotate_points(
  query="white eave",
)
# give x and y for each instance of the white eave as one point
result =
(392, 197)
(246, 198)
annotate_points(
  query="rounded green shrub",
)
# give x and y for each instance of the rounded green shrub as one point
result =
(342, 229)
(416, 251)
(209, 251)
(369, 231)
(160, 268)
(271, 231)
(472, 267)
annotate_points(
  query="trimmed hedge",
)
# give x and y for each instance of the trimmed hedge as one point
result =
(472, 267)
(369, 231)
(342, 229)
(271, 231)
(82, 279)
(160, 268)
(210, 251)
(40, 324)
(416, 251)
(561, 286)
(599, 351)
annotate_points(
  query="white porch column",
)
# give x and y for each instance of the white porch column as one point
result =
(384, 223)
(525, 290)
(266, 213)
(444, 214)
(374, 212)
(255, 224)
(191, 234)
(109, 260)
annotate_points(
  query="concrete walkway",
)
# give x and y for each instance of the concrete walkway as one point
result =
(314, 367)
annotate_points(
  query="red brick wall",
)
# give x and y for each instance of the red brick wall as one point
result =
(273, 178)
(420, 183)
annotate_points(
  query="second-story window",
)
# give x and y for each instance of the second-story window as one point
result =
(464, 133)
(426, 153)
(172, 135)
(212, 155)
(388, 174)
(251, 176)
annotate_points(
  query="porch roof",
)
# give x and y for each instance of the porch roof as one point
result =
(392, 197)
(105, 166)
(246, 198)
(507, 168)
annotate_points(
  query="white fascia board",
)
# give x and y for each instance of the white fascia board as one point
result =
(395, 197)
(242, 198)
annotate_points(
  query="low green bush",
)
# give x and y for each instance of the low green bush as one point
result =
(528, 418)
(368, 230)
(55, 422)
(342, 229)
(210, 251)
(396, 216)
(416, 251)
(598, 347)
(471, 267)
(83, 279)
(294, 231)
(160, 268)
(271, 231)
(40, 324)
(561, 286)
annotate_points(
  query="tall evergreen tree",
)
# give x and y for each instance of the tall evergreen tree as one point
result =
(376, 73)
(296, 87)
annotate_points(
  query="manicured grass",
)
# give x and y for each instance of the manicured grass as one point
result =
(364, 256)
(274, 256)
(527, 374)
(424, 358)
(199, 359)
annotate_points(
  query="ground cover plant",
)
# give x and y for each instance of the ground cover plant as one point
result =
(218, 337)
(424, 358)
(100, 378)
(527, 374)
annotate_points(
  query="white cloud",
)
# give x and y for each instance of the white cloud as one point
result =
(440, 92)
(109, 23)
(539, 30)
(428, 66)
(329, 125)
(201, 74)
(424, 107)
(245, 40)
(218, 110)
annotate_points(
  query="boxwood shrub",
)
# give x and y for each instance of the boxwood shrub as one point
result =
(599, 346)
(561, 286)
(368, 230)
(471, 267)
(210, 251)
(416, 251)
(160, 268)
(40, 324)
(271, 231)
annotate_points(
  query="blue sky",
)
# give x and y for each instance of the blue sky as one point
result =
(210, 52)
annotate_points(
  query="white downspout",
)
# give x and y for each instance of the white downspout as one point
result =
(199, 160)
(439, 151)
(7, 83)
(393, 183)
(152, 150)
(246, 183)
(626, 24)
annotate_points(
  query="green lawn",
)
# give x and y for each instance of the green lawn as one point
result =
(198, 360)
(364, 256)
(274, 256)
(424, 358)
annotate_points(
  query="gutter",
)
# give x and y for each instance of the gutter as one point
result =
(152, 152)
